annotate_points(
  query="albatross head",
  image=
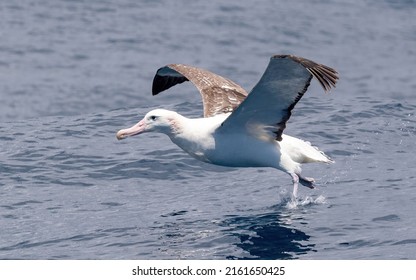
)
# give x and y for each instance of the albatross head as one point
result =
(158, 120)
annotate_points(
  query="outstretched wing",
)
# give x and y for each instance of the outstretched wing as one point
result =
(219, 95)
(268, 107)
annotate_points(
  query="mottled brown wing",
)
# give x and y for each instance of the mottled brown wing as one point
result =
(219, 95)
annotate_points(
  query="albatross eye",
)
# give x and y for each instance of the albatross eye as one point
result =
(153, 118)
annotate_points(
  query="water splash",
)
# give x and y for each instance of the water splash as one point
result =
(306, 201)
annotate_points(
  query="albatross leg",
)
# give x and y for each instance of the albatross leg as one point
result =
(305, 181)
(295, 180)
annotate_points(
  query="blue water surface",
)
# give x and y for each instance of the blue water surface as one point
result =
(74, 72)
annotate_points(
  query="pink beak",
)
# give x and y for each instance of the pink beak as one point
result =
(138, 128)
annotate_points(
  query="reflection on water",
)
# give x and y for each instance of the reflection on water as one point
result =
(268, 236)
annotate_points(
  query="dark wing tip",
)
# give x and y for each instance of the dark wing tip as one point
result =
(163, 81)
(326, 76)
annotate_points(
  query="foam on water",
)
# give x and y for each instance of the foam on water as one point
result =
(306, 201)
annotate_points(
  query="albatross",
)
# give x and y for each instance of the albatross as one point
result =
(240, 129)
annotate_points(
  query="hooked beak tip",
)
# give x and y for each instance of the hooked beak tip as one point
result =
(120, 135)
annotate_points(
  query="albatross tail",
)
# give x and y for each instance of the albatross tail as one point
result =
(301, 151)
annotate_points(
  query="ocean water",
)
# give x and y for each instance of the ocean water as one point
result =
(72, 73)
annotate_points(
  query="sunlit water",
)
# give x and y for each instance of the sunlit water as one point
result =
(72, 73)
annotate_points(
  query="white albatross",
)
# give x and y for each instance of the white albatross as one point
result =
(240, 129)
